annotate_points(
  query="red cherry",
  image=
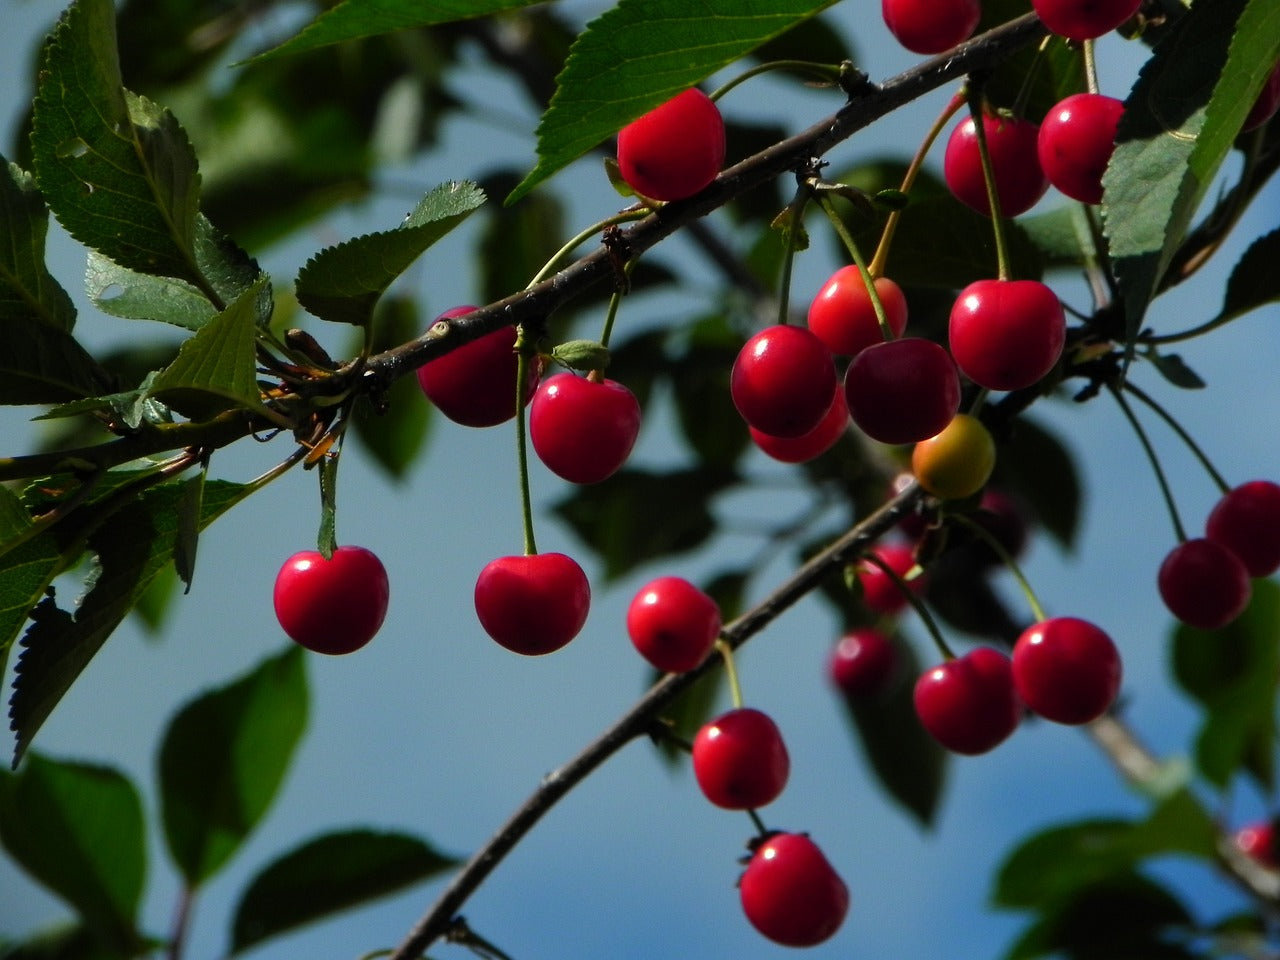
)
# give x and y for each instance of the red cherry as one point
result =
(969, 704)
(791, 893)
(583, 429)
(740, 761)
(1084, 19)
(1264, 108)
(473, 385)
(862, 663)
(931, 26)
(674, 150)
(842, 317)
(879, 592)
(1204, 584)
(532, 604)
(812, 444)
(673, 624)
(1247, 522)
(902, 391)
(332, 606)
(1012, 144)
(783, 381)
(1006, 334)
(1076, 141)
(1258, 840)
(1066, 670)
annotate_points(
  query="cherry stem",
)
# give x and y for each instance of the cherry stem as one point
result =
(1090, 67)
(614, 301)
(626, 216)
(868, 280)
(881, 258)
(1178, 529)
(761, 829)
(989, 175)
(795, 210)
(1006, 558)
(1028, 79)
(522, 443)
(730, 671)
(1182, 433)
(830, 72)
(181, 924)
(930, 625)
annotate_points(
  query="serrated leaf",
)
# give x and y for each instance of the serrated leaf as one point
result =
(117, 171)
(27, 289)
(333, 872)
(223, 758)
(343, 283)
(1254, 280)
(129, 407)
(78, 830)
(642, 53)
(1179, 123)
(354, 19)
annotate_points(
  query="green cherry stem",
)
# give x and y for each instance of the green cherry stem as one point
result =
(868, 279)
(614, 302)
(522, 442)
(794, 216)
(831, 73)
(735, 690)
(917, 604)
(1178, 529)
(626, 216)
(1006, 558)
(989, 175)
(1182, 433)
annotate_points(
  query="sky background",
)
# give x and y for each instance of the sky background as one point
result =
(435, 731)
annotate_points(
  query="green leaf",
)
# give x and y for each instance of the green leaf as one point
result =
(699, 375)
(223, 759)
(42, 364)
(343, 283)
(1035, 464)
(1062, 236)
(79, 830)
(117, 171)
(1179, 123)
(1254, 280)
(1172, 367)
(515, 242)
(354, 19)
(65, 942)
(330, 873)
(27, 289)
(216, 369)
(642, 53)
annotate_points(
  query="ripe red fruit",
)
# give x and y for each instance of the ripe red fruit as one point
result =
(332, 606)
(843, 318)
(1066, 670)
(583, 429)
(902, 391)
(673, 624)
(1258, 840)
(1076, 141)
(1006, 334)
(783, 381)
(931, 26)
(1012, 144)
(862, 663)
(791, 893)
(1264, 108)
(969, 704)
(808, 445)
(1247, 522)
(532, 604)
(475, 384)
(674, 150)
(1204, 584)
(740, 761)
(879, 592)
(1084, 19)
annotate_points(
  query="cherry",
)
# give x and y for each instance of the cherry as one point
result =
(673, 624)
(809, 445)
(1264, 108)
(1076, 141)
(1006, 334)
(879, 592)
(740, 761)
(532, 604)
(1012, 144)
(332, 606)
(1258, 840)
(1247, 522)
(791, 893)
(931, 26)
(783, 381)
(902, 391)
(1084, 19)
(969, 704)
(1204, 584)
(957, 462)
(674, 150)
(583, 429)
(474, 385)
(862, 664)
(843, 318)
(1066, 670)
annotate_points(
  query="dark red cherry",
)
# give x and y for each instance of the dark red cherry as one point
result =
(740, 760)
(532, 604)
(969, 704)
(783, 381)
(474, 385)
(1247, 522)
(1084, 19)
(816, 442)
(862, 664)
(902, 391)
(1204, 584)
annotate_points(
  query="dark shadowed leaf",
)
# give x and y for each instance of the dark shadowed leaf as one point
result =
(1034, 463)
(27, 289)
(517, 241)
(1174, 369)
(66, 942)
(699, 374)
(1254, 280)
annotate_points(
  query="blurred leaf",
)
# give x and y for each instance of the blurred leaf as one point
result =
(700, 377)
(1179, 123)
(639, 362)
(1233, 673)
(43, 364)
(27, 289)
(641, 53)
(184, 549)
(1173, 369)
(1254, 280)
(516, 242)
(343, 283)
(1034, 463)
(813, 41)
(66, 942)
(638, 515)
(155, 602)
(78, 830)
(1062, 236)
(223, 759)
(333, 872)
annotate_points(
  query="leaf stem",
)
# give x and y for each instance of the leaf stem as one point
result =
(626, 216)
